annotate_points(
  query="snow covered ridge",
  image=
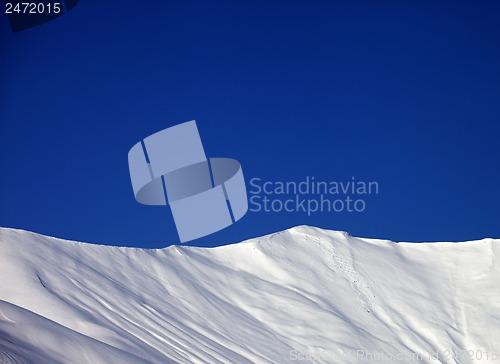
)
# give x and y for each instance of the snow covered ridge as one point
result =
(303, 295)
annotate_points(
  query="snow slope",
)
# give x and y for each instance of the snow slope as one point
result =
(302, 295)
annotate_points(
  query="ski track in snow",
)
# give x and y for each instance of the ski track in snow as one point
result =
(344, 268)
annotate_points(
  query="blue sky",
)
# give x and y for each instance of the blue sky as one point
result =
(402, 93)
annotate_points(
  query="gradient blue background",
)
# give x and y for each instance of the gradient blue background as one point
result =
(404, 93)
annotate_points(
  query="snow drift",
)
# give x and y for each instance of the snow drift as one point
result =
(302, 295)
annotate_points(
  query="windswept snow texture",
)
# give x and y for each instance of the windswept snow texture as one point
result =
(302, 295)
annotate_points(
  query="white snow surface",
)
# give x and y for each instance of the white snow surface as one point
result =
(301, 295)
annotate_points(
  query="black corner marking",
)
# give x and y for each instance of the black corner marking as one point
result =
(70, 4)
(26, 14)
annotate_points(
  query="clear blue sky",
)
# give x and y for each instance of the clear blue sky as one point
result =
(403, 93)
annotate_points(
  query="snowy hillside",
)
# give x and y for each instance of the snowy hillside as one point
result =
(302, 295)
